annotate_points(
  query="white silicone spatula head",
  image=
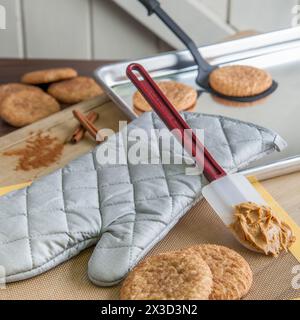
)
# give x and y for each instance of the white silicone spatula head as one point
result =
(227, 192)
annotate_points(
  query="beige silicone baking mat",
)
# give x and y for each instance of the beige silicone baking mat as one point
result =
(272, 277)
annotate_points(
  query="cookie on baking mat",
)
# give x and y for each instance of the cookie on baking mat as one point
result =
(49, 75)
(240, 81)
(169, 276)
(9, 88)
(232, 275)
(24, 107)
(182, 96)
(75, 90)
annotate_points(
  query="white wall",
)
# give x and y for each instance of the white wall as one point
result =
(263, 15)
(101, 29)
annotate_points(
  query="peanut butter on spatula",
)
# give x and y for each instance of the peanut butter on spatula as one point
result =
(260, 230)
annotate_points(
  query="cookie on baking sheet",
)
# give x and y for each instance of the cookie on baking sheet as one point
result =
(240, 81)
(49, 75)
(140, 112)
(182, 96)
(168, 276)
(6, 89)
(232, 275)
(75, 90)
(24, 107)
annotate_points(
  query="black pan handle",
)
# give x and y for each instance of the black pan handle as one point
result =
(153, 6)
(150, 5)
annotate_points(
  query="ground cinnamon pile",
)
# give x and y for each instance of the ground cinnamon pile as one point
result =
(41, 150)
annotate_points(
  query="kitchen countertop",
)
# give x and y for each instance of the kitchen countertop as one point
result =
(285, 190)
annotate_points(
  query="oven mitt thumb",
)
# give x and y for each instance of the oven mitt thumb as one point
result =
(126, 208)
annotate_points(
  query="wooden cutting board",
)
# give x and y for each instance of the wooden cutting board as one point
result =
(60, 125)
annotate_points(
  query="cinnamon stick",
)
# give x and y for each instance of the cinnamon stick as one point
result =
(80, 130)
(87, 125)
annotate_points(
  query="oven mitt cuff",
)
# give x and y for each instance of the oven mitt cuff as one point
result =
(126, 208)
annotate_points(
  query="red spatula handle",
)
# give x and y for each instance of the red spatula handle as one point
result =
(170, 116)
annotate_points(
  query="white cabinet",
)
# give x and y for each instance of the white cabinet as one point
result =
(120, 29)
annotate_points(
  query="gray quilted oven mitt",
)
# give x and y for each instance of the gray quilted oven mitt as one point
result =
(125, 208)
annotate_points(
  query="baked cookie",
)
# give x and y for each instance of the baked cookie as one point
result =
(168, 276)
(240, 81)
(182, 96)
(6, 89)
(232, 275)
(24, 107)
(49, 75)
(75, 90)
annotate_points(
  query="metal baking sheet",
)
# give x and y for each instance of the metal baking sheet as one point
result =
(278, 52)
